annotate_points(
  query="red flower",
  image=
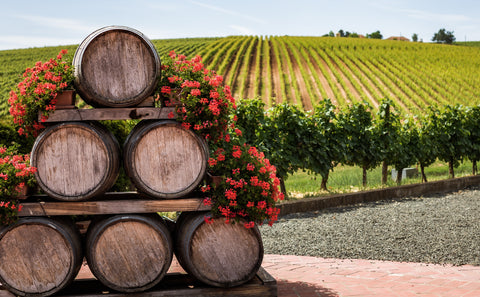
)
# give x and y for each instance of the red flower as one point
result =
(249, 225)
(207, 201)
(208, 220)
(231, 194)
(261, 205)
(212, 162)
(237, 154)
(166, 90)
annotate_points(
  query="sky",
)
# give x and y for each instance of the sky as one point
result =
(38, 23)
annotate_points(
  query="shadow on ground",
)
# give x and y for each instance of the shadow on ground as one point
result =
(301, 289)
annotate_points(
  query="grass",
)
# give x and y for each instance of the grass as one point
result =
(346, 179)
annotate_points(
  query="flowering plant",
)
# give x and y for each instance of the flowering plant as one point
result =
(15, 174)
(37, 92)
(248, 189)
(201, 101)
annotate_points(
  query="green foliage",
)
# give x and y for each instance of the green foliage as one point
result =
(443, 36)
(250, 119)
(375, 35)
(284, 138)
(361, 147)
(120, 131)
(407, 146)
(472, 124)
(451, 138)
(325, 141)
(9, 136)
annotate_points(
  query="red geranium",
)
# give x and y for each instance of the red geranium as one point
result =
(37, 93)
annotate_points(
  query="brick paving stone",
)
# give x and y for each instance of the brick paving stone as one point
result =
(382, 278)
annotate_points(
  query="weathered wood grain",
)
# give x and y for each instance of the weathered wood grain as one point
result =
(218, 254)
(75, 161)
(142, 113)
(164, 160)
(129, 253)
(110, 207)
(116, 66)
(39, 256)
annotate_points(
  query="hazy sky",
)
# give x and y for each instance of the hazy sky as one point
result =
(37, 23)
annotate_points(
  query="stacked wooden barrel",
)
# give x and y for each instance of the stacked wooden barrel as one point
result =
(79, 160)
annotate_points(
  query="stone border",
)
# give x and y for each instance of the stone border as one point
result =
(318, 203)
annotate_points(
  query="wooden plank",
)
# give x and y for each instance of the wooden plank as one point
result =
(97, 114)
(177, 284)
(59, 208)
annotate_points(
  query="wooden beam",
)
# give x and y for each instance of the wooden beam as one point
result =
(99, 114)
(43, 208)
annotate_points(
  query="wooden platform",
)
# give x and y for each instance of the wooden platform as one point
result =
(109, 203)
(97, 114)
(174, 284)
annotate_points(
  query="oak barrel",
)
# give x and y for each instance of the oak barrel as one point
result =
(76, 160)
(116, 66)
(164, 160)
(129, 253)
(217, 254)
(39, 256)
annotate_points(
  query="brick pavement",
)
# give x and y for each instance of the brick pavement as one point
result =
(310, 276)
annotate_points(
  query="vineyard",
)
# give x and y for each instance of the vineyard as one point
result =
(304, 70)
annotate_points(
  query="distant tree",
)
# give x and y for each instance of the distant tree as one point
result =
(443, 36)
(341, 33)
(414, 37)
(353, 35)
(331, 34)
(375, 35)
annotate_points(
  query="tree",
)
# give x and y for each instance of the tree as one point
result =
(451, 137)
(427, 152)
(325, 141)
(375, 35)
(284, 134)
(341, 33)
(361, 145)
(473, 127)
(388, 126)
(414, 37)
(407, 147)
(443, 36)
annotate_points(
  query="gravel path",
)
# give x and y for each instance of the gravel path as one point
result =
(435, 229)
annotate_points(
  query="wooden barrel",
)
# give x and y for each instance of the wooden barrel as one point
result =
(129, 253)
(76, 160)
(116, 66)
(218, 254)
(164, 160)
(39, 256)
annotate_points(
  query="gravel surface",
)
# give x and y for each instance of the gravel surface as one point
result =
(435, 229)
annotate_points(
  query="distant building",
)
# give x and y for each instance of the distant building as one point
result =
(399, 38)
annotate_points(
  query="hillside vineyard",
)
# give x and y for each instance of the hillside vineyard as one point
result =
(304, 70)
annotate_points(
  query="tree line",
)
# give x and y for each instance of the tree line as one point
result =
(320, 139)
